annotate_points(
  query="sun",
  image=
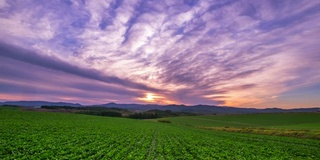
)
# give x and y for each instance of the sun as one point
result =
(150, 97)
(155, 98)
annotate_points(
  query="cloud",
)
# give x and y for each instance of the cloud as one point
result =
(31, 82)
(215, 52)
(59, 65)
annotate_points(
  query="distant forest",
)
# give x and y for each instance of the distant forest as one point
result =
(117, 112)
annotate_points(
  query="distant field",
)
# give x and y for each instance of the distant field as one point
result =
(48, 135)
(309, 121)
(300, 125)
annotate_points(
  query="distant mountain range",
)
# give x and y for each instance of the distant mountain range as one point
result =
(38, 104)
(201, 109)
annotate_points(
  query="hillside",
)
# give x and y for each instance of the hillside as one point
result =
(198, 109)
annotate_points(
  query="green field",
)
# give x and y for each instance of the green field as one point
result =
(47, 135)
(309, 121)
(299, 125)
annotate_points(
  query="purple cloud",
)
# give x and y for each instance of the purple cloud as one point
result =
(188, 51)
(59, 65)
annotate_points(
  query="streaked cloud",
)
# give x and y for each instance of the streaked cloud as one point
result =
(227, 52)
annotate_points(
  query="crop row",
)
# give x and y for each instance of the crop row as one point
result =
(30, 135)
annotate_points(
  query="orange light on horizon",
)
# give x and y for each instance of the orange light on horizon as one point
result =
(150, 97)
(155, 98)
(9, 97)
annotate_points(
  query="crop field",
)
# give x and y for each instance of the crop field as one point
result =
(44, 135)
(299, 125)
(310, 121)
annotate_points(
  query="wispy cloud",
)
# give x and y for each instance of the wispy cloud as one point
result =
(226, 52)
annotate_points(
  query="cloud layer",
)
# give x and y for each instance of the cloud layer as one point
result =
(240, 53)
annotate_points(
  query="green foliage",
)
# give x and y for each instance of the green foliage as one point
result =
(97, 111)
(305, 121)
(102, 113)
(311, 134)
(300, 125)
(114, 112)
(144, 115)
(153, 114)
(51, 135)
(164, 121)
(62, 107)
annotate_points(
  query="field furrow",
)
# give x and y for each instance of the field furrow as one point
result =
(38, 135)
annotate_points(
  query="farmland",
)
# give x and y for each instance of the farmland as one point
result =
(299, 125)
(275, 120)
(48, 135)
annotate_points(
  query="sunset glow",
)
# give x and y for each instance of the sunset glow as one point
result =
(232, 53)
(149, 97)
(155, 99)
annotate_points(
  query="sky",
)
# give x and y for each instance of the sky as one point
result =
(242, 53)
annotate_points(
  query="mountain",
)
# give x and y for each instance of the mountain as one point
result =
(204, 109)
(201, 109)
(38, 104)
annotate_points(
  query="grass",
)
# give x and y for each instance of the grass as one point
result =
(51, 135)
(274, 120)
(301, 125)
